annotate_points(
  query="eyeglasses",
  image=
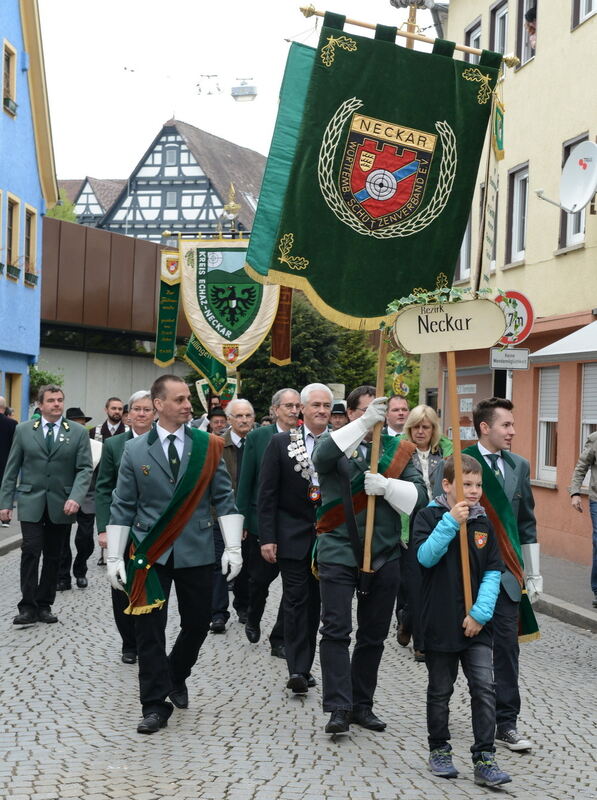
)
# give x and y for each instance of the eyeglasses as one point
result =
(139, 410)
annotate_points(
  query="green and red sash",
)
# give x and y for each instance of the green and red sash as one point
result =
(501, 516)
(396, 455)
(142, 585)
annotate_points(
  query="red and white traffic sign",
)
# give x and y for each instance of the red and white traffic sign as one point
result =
(519, 317)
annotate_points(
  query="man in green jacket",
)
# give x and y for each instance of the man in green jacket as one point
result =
(53, 456)
(140, 420)
(349, 684)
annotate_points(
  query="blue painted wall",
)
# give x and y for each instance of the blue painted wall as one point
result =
(19, 175)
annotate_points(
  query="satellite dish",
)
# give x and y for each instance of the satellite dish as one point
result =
(579, 177)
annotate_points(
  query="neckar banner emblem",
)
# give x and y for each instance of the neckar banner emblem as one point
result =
(371, 172)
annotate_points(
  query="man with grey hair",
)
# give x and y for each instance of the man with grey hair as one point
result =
(53, 458)
(241, 418)
(141, 416)
(289, 496)
(285, 408)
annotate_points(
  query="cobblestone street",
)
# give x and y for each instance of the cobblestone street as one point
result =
(70, 710)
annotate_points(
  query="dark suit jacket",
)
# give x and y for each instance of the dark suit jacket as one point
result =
(7, 431)
(230, 458)
(105, 484)
(248, 480)
(286, 515)
(517, 487)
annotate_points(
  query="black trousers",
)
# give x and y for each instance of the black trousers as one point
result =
(240, 585)
(301, 606)
(346, 683)
(124, 622)
(505, 661)
(43, 538)
(84, 545)
(443, 670)
(261, 574)
(158, 672)
(410, 581)
(219, 598)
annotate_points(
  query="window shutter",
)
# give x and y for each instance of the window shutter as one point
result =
(549, 387)
(589, 393)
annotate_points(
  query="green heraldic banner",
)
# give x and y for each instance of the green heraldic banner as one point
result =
(229, 312)
(383, 157)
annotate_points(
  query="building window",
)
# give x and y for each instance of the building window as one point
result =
(12, 232)
(170, 156)
(170, 199)
(498, 34)
(582, 10)
(30, 240)
(517, 217)
(547, 453)
(588, 412)
(9, 79)
(526, 39)
(572, 226)
(463, 265)
(472, 38)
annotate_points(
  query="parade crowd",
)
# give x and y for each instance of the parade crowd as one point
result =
(220, 506)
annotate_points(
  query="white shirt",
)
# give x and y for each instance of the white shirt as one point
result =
(178, 442)
(485, 452)
(310, 440)
(56, 425)
(424, 462)
(236, 439)
(392, 432)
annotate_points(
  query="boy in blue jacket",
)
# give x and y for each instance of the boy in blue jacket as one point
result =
(454, 635)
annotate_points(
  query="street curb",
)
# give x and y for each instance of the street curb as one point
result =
(567, 612)
(10, 544)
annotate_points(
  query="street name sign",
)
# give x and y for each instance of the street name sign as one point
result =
(510, 358)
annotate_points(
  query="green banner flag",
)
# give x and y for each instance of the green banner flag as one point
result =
(205, 364)
(383, 168)
(165, 341)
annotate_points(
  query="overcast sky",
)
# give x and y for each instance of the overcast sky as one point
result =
(119, 69)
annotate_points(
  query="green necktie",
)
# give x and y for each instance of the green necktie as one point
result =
(493, 457)
(173, 456)
(50, 437)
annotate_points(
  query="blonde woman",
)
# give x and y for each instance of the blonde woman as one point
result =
(422, 428)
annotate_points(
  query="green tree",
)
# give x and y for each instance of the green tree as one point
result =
(39, 378)
(63, 209)
(314, 358)
(357, 361)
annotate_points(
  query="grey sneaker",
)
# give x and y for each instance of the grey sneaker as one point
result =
(513, 740)
(440, 763)
(487, 772)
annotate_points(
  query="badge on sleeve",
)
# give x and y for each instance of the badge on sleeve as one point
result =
(480, 538)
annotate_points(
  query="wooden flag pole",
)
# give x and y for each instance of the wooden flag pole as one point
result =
(375, 447)
(455, 422)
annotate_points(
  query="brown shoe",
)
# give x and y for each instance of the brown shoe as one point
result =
(403, 636)
(419, 656)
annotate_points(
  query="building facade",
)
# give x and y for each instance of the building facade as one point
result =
(531, 246)
(27, 188)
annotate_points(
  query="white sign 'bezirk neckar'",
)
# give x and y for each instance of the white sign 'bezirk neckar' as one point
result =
(439, 327)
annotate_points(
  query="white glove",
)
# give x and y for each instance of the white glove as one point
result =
(533, 578)
(351, 435)
(115, 570)
(375, 483)
(401, 495)
(231, 527)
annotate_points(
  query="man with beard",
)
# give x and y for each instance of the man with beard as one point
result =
(113, 425)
